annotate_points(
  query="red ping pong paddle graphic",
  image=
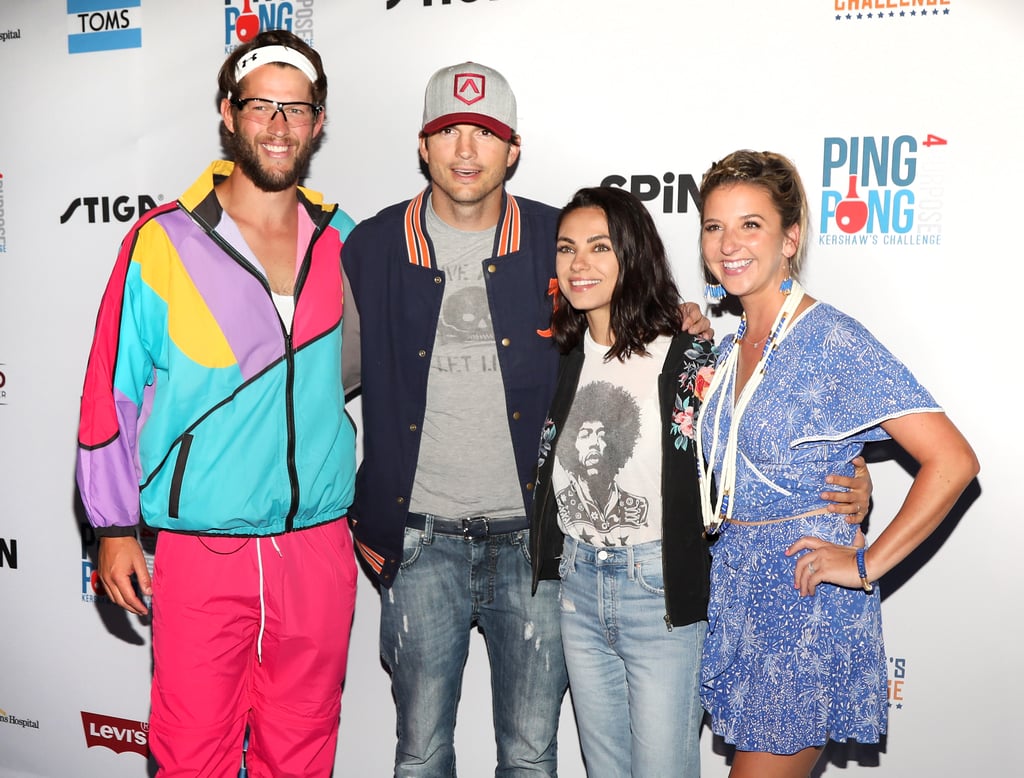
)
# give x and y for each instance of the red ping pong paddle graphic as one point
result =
(852, 212)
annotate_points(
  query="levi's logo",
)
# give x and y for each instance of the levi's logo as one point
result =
(119, 735)
(469, 87)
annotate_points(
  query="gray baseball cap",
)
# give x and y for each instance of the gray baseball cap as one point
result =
(469, 93)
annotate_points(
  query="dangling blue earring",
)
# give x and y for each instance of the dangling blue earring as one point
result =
(787, 284)
(714, 293)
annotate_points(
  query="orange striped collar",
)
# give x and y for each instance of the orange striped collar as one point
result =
(509, 230)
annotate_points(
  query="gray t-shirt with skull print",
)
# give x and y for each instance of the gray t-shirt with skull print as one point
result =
(466, 463)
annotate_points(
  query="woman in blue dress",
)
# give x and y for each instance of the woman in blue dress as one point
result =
(794, 653)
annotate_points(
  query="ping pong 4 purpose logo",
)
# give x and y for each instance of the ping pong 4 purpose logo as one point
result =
(245, 19)
(882, 189)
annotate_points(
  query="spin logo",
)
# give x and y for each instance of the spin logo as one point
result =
(881, 190)
(9, 553)
(104, 25)
(426, 3)
(103, 208)
(244, 20)
(674, 191)
(896, 681)
(119, 735)
(3, 218)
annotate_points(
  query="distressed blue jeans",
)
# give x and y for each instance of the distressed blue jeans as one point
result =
(634, 681)
(446, 586)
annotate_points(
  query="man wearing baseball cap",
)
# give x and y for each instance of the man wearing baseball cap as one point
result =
(455, 288)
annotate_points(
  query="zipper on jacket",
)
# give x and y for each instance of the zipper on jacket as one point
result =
(289, 350)
(289, 400)
(289, 353)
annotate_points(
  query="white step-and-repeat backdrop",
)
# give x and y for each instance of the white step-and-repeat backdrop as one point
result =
(108, 107)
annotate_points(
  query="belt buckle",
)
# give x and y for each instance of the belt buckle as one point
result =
(475, 528)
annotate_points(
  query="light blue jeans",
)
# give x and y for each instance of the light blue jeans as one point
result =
(634, 681)
(445, 586)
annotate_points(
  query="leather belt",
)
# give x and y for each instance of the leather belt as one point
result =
(475, 528)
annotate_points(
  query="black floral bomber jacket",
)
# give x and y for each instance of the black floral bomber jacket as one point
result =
(685, 377)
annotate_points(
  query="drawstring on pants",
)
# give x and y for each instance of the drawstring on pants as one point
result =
(263, 604)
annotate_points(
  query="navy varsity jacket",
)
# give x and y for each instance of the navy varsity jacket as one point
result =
(389, 262)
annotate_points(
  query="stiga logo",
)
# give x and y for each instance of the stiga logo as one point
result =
(897, 681)
(883, 190)
(119, 735)
(426, 3)
(123, 208)
(244, 20)
(675, 190)
(894, 10)
(103, 25)
(17, 721)
(3, 218)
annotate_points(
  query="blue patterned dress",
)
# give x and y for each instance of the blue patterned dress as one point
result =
(783, 672)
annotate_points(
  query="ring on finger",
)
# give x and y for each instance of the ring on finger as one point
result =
(810, 566)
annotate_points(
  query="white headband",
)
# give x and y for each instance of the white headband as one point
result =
(267, 54)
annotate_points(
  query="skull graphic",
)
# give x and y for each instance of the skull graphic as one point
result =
(466, 317)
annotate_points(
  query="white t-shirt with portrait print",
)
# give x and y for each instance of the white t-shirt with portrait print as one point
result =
(607, 470)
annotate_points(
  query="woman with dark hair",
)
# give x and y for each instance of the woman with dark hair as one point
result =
(617, 497)
(617, 510)
(794, 655)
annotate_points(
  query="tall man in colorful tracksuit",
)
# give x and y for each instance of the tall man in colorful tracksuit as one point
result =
(213, 410)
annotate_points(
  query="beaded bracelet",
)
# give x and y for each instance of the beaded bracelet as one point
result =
(862, 571)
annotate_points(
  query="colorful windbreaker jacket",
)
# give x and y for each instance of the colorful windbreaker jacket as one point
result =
(200, 409)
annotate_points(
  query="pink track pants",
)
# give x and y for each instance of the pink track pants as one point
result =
(224, 657)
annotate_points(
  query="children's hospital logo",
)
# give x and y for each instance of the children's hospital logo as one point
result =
(882, 190)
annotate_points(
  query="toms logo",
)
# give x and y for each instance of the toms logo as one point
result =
(119, 735)
(103, 25)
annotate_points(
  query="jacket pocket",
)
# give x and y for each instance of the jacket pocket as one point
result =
(174, 496)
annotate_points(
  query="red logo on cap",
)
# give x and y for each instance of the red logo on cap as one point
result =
(469, 87)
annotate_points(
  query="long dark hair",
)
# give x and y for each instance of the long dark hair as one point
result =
(645, 303)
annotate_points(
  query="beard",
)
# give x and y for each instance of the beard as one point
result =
(246, 156)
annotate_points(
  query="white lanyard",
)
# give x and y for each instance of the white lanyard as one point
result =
(724, 378)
